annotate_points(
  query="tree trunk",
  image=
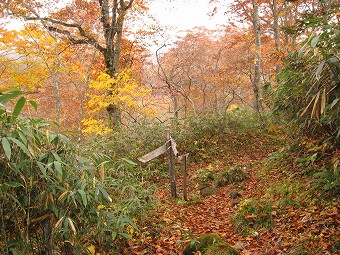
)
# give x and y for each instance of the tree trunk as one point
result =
(111, 14)
(84, 94)
(257, 67)
(276, 30)
(113, 32)
(176, 108)
(55, 82)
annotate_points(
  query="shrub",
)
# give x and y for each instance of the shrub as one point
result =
(328, 181)
(308, 91)
(233, 175)
(198, 135)
(290, 192)
(201, 135)
(55, 200)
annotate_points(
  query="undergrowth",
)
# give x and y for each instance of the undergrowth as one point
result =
(234, 174)
(55, 199)
(205, 137)
(252, 215)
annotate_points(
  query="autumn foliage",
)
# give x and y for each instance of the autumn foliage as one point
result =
(255, 103)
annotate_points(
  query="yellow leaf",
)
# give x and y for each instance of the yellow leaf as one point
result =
(92, 249)
(59, 222)
(273, 129)
(72, 226)
(40, 218)
(323, 101)
(62, 195)
(102, 173)
(315, 108)
(100, 207)
(233, 108)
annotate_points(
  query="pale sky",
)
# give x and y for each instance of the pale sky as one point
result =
(186, 14)
(183, 15)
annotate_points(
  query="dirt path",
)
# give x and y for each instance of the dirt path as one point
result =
(177, 221)
(210, 214)
(182, 221)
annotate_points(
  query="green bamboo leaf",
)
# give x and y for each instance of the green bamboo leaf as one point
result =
(26, 132)
(21, 146)
(14, 251)
(33, 104)
(56, 156)
(130, 162)
(22, 137)
(302, 49)
(114, 235)
(13, 184)
(314, 41)
(131, 223)
(105, 195)
(125, 235)
(9, 95)
(7, 147)
(42, 169)
(334, 103)
(319, 70)
(18, 107)
(83, 196)
(16, 201)
(57, 166)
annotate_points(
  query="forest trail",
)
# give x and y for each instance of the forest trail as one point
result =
(296, 230)
(182, 221)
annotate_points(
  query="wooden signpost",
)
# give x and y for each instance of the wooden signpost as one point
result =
(185, 175)
(170, 148)
(153, 154)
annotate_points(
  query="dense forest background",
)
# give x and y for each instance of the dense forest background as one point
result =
(83, 95)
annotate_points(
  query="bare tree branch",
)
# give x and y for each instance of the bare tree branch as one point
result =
(86, 40)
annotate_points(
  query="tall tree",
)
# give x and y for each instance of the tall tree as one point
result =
(76, 22)
(199, 83)
(49, 71)
(257, 66)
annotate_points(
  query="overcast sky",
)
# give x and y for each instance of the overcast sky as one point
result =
(182, 15)
(186, 14)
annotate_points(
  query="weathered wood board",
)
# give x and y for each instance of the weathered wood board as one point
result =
(153, 154)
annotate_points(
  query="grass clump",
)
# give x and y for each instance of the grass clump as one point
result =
(252, 215)
(300, 250)
(222, 249)
(209, 244)
(328, 182)
(289, 193)
(228, 176)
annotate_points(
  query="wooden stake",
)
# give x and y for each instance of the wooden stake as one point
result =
(171, 164)
(185, 173)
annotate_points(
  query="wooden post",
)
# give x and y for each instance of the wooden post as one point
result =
(171, 164)
(185, 173)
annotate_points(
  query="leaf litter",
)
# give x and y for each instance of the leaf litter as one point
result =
(312, 229)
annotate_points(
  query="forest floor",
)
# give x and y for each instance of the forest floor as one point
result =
(299, 225)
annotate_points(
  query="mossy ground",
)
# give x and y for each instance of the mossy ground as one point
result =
(209, 244)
